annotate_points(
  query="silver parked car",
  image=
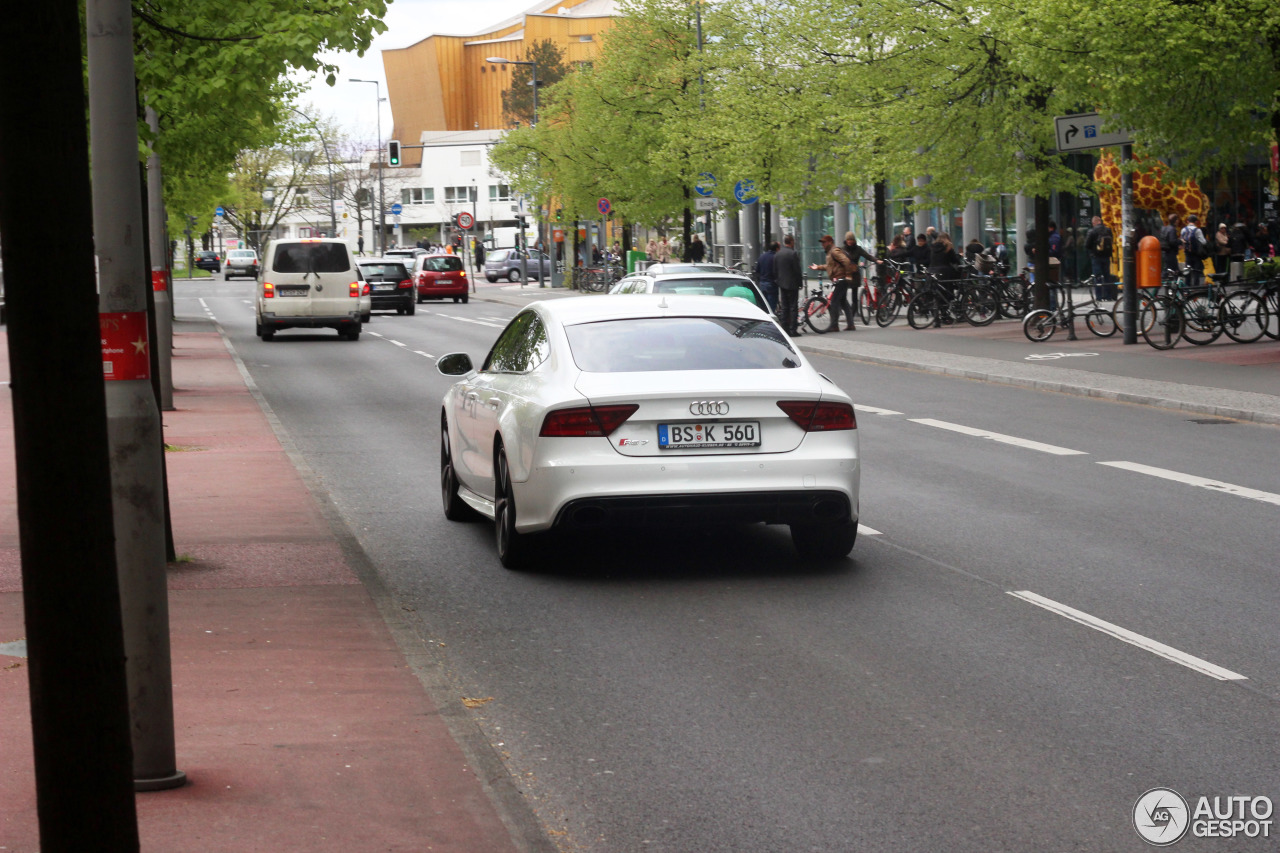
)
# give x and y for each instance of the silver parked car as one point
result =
(505, 263)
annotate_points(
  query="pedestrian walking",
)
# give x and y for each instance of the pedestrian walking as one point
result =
(1099, 243)
(845, 274)
(479, 255)
(664, 251)
(1262, 242)
(1222, 249)
(1197, 249)
(651, 249)
(766, 276)
(1170, 243)
(697, 249)
(360, 244)
(790, 278)
(944, 263)
(920, 253)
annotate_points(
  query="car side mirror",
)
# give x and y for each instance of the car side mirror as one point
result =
(455, 364)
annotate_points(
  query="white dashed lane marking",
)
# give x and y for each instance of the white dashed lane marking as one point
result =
(1201, 482)
(1025, 443)
(872, 410)
(1168, 652)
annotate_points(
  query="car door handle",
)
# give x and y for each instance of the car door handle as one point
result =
(493, 402)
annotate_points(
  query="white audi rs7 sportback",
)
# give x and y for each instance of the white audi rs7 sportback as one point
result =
(656, 410)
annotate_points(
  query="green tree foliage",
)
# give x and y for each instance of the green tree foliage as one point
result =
(619, 129)
(517, 99)
(1195, 83)
(217, 71)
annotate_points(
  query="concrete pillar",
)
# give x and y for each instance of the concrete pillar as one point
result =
(922, 219)
(1021, 222)
(751, 232)
(972, 227)
(840, 222)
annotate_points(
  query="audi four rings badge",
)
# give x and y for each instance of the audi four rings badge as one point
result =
(709, 407)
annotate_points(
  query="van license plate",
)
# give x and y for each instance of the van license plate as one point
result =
(720, 434)
(293, 289)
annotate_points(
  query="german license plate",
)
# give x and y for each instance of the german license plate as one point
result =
(717, 434)
(384, 287)
(293, 289)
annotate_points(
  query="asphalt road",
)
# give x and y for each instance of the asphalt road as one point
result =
(1055, 604)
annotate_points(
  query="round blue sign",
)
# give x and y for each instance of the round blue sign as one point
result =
(706, 185)
(396, 209)
(218, 211)
(745, 192)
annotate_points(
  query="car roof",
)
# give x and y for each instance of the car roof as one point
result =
(393, 260)
(589, 309)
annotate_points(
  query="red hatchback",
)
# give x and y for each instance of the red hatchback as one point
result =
(440, 277)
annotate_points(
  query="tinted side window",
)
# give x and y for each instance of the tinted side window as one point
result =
(521, 347)
(311, 257)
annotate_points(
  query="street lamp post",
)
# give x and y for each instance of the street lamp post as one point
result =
(333, 214)
(380, 242)
(499, 60)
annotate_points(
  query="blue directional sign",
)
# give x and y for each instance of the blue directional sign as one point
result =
(706, 185)
(745, 192)
(396, 209)
(218, 211)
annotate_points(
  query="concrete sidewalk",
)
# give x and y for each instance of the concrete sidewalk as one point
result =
(309, 717)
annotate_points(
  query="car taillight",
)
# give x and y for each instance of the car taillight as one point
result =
(586, 420)
(268, 290)
(366, 290)
(355, 289)
(464, 273)
(812, 416)
(406, 284)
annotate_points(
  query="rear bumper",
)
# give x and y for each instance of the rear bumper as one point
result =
(684, 510)
(391, 298)
(277, 321)
(576, 482)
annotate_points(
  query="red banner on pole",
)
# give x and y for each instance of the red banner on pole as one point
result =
(125, 353)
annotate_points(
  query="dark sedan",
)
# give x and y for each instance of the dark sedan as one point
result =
(391, 285)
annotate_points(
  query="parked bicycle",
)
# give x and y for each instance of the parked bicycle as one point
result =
(1043, 323)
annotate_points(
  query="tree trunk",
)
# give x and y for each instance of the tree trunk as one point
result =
(75, 640)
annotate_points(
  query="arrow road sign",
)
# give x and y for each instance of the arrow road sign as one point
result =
(1078, 132)
(745, 192)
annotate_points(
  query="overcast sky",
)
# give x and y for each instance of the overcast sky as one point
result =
(408, 21)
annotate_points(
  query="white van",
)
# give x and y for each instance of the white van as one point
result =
(312, 284)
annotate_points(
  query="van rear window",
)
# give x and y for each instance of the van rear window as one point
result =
(312, 257)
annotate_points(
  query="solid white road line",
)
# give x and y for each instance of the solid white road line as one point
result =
(1202, 482)
(863, 530)
(1167, 652)
(1025, 443)
(872, 410)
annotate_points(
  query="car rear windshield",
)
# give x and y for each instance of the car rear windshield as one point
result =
(312, 257)
(242, 253)
(680, 343)
(386, 272)
(709, 287)
(449, 264)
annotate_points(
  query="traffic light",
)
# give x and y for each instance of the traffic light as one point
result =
(393, 152)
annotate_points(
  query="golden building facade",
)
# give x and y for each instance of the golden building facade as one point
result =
(444, 83)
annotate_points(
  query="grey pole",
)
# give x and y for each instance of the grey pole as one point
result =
(379, 244)
(1128, 270)
(133, 419)
(160, 269)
